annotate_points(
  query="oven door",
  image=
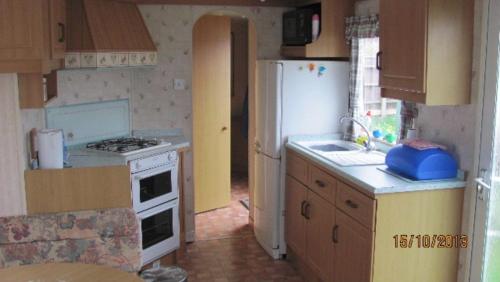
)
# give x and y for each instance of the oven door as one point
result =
(154, 186)
(160, 231)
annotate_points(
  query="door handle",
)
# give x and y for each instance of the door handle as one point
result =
(224, 128)
(351, 204)
(307, 214)
(302, 212)
(377, 61)
(62, 32)
(320, 183)
(483, 188)
(335, 234)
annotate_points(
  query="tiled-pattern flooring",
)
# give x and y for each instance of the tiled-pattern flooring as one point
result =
(228, 222)
(226, 249)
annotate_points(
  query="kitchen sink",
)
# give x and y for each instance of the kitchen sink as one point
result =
(329, 148)
(344, 153)
(332, 146)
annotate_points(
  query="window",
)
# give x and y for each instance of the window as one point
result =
(384, 112)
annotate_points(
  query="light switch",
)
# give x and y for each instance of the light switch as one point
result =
(179, 84)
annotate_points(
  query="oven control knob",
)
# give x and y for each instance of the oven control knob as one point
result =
(171, 156)
(137, 166)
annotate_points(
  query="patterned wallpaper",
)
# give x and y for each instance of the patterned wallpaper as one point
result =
(154, 102)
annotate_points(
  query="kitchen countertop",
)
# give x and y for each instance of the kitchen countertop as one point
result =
(81, 157)
(368, 177)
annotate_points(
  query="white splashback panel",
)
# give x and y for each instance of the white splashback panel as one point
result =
(90, 122)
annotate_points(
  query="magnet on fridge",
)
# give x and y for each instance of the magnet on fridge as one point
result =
(301, 68)
(311, 67)
(321, 70)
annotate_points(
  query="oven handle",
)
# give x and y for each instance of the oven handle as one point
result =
(158, 209)
(154, 171)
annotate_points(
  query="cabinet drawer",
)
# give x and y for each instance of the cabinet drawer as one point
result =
(322, 183)
(296, 167)
(355, 204)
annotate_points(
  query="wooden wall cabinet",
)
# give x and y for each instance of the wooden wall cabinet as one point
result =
(36, 89)
(32, 44)
(331, 42)
(347, 234)
(32, 40)
(426, 50)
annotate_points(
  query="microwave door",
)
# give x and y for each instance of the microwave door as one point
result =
(153, 187)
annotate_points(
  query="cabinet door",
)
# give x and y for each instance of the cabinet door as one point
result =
(295, 231)
(353, 250)
(319, 243)
(20, 31)
(402, 44)
(57, 11)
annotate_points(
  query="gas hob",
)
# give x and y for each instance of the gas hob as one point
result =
(126, 145)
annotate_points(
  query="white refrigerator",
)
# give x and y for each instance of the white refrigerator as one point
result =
(293, 98)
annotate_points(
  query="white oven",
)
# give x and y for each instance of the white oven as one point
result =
(154, 180)
(160, 231)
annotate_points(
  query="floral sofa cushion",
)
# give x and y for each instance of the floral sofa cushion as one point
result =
(109, 237)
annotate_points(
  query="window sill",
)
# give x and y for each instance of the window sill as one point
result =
(383, 146)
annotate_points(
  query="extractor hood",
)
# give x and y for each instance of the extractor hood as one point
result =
(107, 34)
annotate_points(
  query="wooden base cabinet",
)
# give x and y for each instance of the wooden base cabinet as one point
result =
(309, 227)
(319, 240)
(296, 196)
(353, 250)
(349, 235)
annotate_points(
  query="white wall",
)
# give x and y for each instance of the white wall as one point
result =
(12, 196)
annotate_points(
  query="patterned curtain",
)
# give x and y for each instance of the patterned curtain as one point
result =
(356, 28)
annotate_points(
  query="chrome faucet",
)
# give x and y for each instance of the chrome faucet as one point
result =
(369, 145)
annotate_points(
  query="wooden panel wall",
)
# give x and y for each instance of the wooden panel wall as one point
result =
(12, 197)
(74, 189)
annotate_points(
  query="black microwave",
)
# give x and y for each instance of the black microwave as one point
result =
(297, 27)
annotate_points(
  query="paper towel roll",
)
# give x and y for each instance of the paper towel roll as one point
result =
(50, 148)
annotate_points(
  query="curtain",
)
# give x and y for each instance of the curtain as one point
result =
(357, 27)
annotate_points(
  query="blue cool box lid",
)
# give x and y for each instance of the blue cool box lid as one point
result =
(421, 164)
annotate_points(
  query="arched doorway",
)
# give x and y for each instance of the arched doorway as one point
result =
(213, 98)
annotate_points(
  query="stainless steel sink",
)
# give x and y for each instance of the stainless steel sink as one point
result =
(329, 148)
(332, 146)
(344, 153)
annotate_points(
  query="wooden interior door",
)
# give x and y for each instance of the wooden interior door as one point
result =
(319, 243)
(402, 44)
(353, 250)
(295, 233)
(57, 12)
(212, 112)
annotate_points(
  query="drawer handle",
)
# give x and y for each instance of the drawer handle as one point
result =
(302, 206)
(378, 63)
(335, 234)
(62, 32)
(307, 213)
(351, 204)
(320, 183)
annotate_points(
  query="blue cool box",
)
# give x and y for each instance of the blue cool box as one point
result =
(421, 164)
